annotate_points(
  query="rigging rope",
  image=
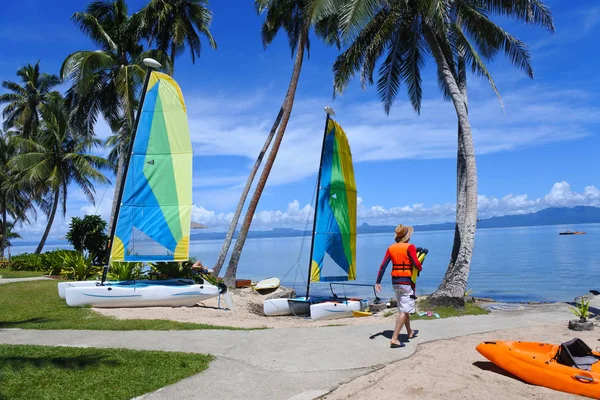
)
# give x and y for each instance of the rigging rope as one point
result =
(297, 263)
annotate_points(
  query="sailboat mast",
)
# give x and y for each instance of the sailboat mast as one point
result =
(151, 64)
(329, 111)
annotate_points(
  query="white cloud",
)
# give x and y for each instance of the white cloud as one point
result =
(299, 217)
(560, 195)
(239, 126)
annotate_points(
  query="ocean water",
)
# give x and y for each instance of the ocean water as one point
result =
(509, 264)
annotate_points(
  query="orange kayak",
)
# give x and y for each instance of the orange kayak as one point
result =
(570, 367)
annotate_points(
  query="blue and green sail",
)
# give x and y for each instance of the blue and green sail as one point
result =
(153, 222)
(335, 227)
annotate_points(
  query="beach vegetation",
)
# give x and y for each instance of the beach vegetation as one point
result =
(88, 234)
(55, 158)
(79, 267)
(124, 271)
(172, 26)
(36, 305)
(46, 372)
(15, 196)
(581, 310)
(50, 262)
(447, 311)
(297, 19)
(458, 36)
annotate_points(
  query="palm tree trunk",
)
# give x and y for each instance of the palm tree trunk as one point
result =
(4, 239)
(118, 181)
(240, 207)
(288, 103)
(453, 286)
(50, 222)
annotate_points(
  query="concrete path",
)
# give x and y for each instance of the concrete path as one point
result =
(34, 278)
(290, 363)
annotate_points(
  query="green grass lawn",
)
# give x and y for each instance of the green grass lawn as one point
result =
(40, 372)
(36, 305)
(6, 273)
(443, 312)
(446, 312)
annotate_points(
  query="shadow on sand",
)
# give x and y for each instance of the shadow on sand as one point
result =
(490, 366)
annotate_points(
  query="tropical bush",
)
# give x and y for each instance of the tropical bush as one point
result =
(26, 262)
(124, 271)
(78, 267)
(174, 269)
(582, 310)
(50, 262)
(53, 261)
(87, 234)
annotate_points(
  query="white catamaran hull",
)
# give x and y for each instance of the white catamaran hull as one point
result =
(285, 306)
(62, 286)
(139, 295)
(335, 309)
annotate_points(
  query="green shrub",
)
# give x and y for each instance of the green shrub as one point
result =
(124, 271)
(53, 261)
(78, 267)
(26, 262)
(174, 269)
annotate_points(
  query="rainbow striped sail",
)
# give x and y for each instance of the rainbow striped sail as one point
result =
(335, 227)
(153, 222)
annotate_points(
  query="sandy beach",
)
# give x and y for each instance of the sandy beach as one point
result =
(453, 369)
(247, 313)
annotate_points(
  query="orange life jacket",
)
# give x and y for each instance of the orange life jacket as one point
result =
(401, 264)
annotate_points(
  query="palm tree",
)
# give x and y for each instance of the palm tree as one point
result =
(296, 18)
(175, 24)
(244, 196)
(108, 81)
(458, 34)
(15, 199)
(24, 100)
(10, 234)
(57, 159)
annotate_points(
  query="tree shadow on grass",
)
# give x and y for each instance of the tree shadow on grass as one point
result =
(68, 363)
(490, 366)
(17, 324)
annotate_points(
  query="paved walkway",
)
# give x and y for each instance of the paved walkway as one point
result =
(34, 278)
(290, 363)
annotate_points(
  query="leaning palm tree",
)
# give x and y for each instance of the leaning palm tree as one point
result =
(296, 18)
(176, 24)
(459, 35)
(107, 81)
(23, 100)
(56, 159)
(15, 196)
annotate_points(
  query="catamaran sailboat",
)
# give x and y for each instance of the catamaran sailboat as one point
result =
(334, 232)
(155, 205)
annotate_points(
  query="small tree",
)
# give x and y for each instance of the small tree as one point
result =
(88, 234)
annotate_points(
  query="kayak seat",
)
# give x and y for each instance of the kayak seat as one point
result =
(575, 353)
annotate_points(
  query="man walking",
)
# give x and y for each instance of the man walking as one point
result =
(403, 256)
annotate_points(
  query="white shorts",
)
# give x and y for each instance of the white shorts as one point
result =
(405, 302)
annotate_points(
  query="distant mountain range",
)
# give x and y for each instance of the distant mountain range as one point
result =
(548, 216)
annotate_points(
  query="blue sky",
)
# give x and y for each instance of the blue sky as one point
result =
(541, 150)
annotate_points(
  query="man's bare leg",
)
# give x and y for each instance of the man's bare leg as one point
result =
(407, 324)
(400, 321)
